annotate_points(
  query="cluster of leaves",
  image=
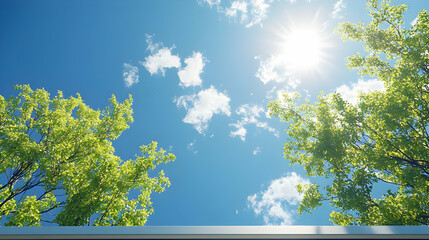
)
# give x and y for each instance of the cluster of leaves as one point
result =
(382, 139)
(57, 163)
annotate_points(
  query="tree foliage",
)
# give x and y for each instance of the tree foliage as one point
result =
(381, 140)
(57, 163)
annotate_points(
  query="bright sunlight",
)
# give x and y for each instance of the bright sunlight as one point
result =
(302, 48)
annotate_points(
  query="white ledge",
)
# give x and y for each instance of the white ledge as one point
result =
(218, 232)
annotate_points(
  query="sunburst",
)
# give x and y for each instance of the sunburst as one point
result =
(303, 47)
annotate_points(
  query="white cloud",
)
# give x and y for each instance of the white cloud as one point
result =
(275, 203)
(338, 7)
(258, 12)
(160, 58)
(267, 69)
(265, 126)
(211, 2)
(249, 115)
(414, 21)
(280, 97)
(183, 101)
(351, 94)
(280, 94)
(151, 46)
(204, 105)
(256, 150)
(237, 7)
(191, 147)
(190, 75)
(250, 12)
(130, 74)
(241, 131)
(276, 69)
(267, 113)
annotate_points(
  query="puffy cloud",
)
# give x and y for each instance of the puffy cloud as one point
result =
(241, 131)
(249, 115)
(338, 7)
(160, 58)
(275, 203)
(276, 69)
(204, 105)
(237, 7)
(351, 94)
(130, 74)
(190, 75)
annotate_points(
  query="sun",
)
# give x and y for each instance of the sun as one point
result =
(302, 48)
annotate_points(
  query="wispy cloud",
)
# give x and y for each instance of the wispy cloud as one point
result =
(236, 8)
(276, 69)
(160, 58)
(338, 7)
(280, 97)
(267, 69)
(249, 12)
(190, 75)
(256, 150)
(130, 74)
(249, 115)
(350, 94)
(276, 202)
(211, 3)
(201, 107)
(191, 147)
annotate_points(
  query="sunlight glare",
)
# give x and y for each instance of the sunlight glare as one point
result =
(303, 49)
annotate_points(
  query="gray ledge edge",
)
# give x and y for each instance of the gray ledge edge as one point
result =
(218, 232)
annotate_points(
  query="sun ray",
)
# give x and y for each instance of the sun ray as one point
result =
(303, 45)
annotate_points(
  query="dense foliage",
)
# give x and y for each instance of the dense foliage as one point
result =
(57, 163)
(381, 140)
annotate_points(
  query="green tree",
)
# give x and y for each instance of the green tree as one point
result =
(381, 140)
(57, 163)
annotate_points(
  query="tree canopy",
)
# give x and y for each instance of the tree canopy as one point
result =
(57, 163)
(381, 140)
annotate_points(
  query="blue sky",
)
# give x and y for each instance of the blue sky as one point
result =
(201, 74)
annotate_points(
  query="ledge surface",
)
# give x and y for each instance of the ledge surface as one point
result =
(218, 232)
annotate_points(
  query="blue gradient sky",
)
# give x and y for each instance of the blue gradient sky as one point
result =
(218, 178)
